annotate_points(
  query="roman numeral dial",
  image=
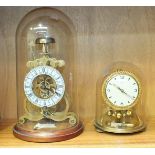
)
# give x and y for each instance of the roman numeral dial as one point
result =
(44, 86)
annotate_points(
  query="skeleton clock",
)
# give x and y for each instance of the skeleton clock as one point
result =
(46, 90)
(120, 100)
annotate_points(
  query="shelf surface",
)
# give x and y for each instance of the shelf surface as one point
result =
(89, 138)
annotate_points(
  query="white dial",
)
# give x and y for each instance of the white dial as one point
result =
(122, 89)
(44, 86)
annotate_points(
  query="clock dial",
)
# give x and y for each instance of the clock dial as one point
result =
(44, 86)
(121, 89)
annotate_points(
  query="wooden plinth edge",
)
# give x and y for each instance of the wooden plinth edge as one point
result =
(48, 137)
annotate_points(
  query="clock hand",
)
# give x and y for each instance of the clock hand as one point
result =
(117, 87)
(127, 94)
(45, 81)
(122, 90)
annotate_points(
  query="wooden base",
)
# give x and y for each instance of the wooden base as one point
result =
(48, 136)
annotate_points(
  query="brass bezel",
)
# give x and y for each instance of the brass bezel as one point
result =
(108, 78)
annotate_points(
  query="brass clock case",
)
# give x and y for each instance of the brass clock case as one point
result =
(116, 114)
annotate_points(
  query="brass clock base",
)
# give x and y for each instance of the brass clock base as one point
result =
(37, 136)
(139, 128)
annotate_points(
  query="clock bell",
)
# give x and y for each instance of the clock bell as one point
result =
(120, 99)
(46, 77)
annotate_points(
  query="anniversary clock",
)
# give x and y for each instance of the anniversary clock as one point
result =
(120, 100)
(46, 78)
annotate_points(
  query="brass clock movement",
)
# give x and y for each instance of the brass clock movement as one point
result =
(121, 100)
(46, 112)
(44, 88)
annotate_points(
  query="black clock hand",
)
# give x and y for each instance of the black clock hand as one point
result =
(122, 90)
(117, 87)
(127, 94)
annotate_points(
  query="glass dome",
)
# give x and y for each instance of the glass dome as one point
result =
(120, 99)
(46, 77)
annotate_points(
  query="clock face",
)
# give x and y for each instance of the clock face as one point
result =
(121, 89)
(44, 86)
